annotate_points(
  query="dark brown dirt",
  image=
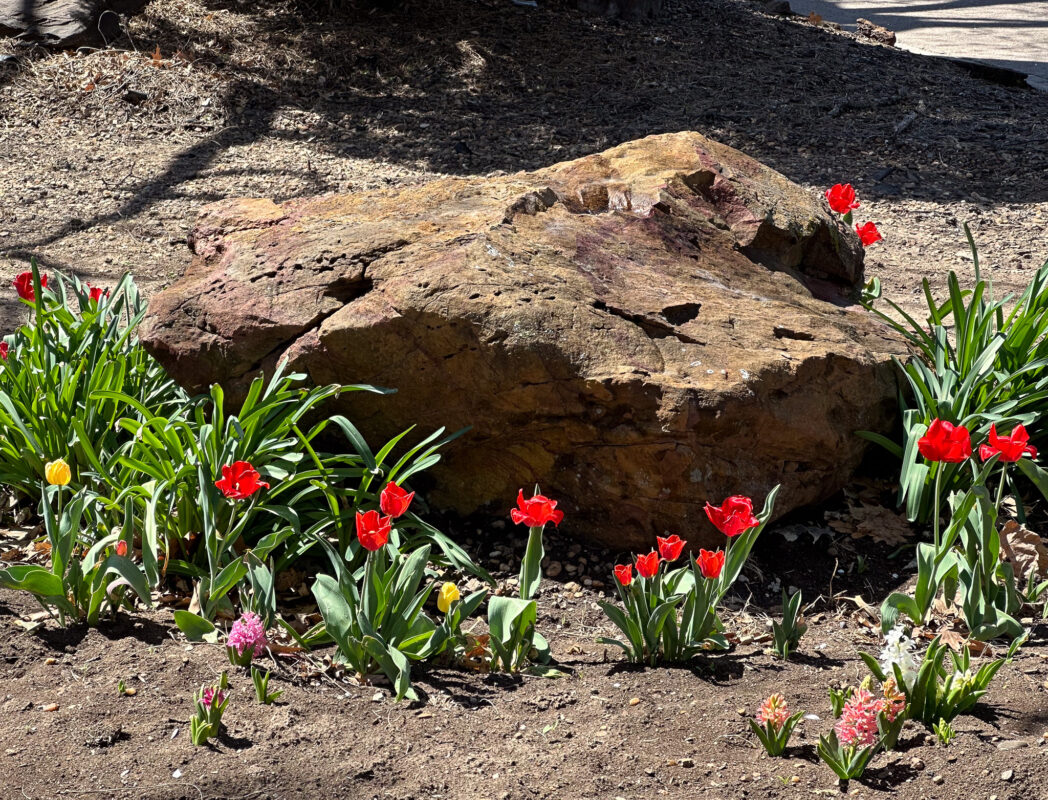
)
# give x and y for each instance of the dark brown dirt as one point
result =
(605, 731)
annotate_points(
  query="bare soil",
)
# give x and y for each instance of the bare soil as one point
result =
(606, 730)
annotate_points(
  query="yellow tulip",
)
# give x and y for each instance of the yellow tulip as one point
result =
(449, 593)
(57, 472)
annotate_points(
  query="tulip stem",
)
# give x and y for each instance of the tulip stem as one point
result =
(1000, 491)
(938, 503)
(1005, 544)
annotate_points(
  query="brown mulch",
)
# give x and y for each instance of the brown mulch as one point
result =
(109, 154)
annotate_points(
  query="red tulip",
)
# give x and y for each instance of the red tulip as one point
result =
(670, 548)
(842, 198)
(535, 512)
(1011, 448)
(373, 530)
(868, 233)
(4, 347)
(239, 481)
(648, 565)
(121, 548)
(24, 285)
(96, 293)
(945, 442)
(624, 573)
(394, 501)
(710, 564)
(734, 516)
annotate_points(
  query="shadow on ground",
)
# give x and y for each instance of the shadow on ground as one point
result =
(472, 87)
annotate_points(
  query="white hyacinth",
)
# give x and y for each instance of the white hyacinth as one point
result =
(898, 651)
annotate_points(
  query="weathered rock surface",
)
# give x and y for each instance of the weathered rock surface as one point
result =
(64, 23)
(639, 330)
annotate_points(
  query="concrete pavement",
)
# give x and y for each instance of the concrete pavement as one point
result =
(1010, 34)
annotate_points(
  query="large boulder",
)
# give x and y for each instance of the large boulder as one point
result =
(639, 331)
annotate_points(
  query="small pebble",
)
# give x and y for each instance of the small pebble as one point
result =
(634, 701)
(1007, 775)
(50, 707)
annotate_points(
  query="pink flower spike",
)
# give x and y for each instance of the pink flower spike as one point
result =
(247, 634)
(857, 726)
(774, 711)
(213, 697)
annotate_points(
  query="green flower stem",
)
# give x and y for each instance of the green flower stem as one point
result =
(938, 503)
(1005, 544)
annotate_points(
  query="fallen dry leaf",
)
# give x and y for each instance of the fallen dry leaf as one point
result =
(1028, 548)
(814, 19)
(871, 521)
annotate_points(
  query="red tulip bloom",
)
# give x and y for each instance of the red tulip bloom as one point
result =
(239, 481)
(4, 348)
(96, 293)
(24, 285)
(1011, 448)
(648, 565)
(868, 233)
(535, 512)
(734, 516)
(945, 442)
(121, 548)
(670, 548)
(842, 198)
(394, 501)
(624, 574)
(373, 530)
(710, 564)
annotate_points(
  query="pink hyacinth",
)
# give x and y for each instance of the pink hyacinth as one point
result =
(213, 697)
(248, 633)
(858, 723)
(774, 711)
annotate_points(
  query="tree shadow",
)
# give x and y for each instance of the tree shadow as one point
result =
(463, 88)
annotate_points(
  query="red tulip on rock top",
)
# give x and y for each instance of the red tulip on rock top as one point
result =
(734, 516)
(1011, 448)
(648, 565)
(710, 564)
(535, 512)
(945, 441)
(394, 501)
(842, 198)
(239, 481)
(624, 574)
(868, 233)
(670, 547)
(24, 285)
(373, 530)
